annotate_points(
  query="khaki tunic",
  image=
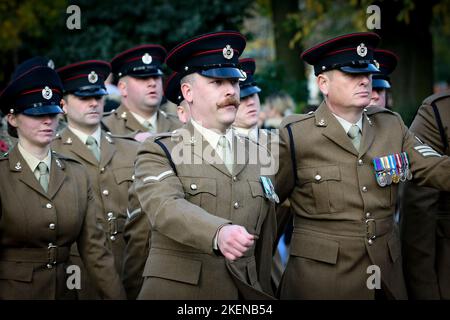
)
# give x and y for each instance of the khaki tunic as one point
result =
(122, 122)
(425, 214)
(37, 229)
(185, 205)
(338, 204)
(111, 180)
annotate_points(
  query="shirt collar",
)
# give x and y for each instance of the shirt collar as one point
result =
(83, 136)
(32, 161)
(211, 136)
(251, 133)
(347, 125)
(152, 120)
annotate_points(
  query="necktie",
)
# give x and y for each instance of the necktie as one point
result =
(93, 146)
(225, 152)
(148, 125)
(43, 175)
(355, 134)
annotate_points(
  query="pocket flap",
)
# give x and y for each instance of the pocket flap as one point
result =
(257, 189)
(173, 268)
(123, 174)
(314, 248)
(193, 186)
(19, 271)
(319, 174)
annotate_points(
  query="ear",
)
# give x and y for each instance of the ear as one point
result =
(12, 120)
(122, 85)
(64, 105)
(323, 82)
(186, 89)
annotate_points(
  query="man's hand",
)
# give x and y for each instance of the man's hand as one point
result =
(233, 241)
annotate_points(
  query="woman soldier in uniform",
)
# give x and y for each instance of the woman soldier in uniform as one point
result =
(46, 202)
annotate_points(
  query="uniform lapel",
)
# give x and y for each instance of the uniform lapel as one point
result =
(107, 150)
(74, 144)
(240, 153)
(18, 164)
(57, 176)
(332, 129)
(368, 135)
(162, 124)
(131, 122)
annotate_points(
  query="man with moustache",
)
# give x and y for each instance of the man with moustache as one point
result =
(203, 196)
(108, 160)
(341, 168)
(139, 75)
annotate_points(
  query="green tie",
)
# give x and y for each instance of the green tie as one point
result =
(93, 146)
(148, 126)
(43, 175)
(225, 152)
(355, 134)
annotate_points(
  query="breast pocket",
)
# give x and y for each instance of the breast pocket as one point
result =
(258, 204)
(321, 189)
(123, 174)
(201, 192)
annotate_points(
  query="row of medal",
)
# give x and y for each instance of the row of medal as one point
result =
(392, 168)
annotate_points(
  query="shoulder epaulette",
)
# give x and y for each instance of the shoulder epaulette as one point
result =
(373, 110)
(437, 96)
(296, 118)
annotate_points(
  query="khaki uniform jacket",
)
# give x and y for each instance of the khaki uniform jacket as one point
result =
(38, 228)
(338, 204)
(425, 214)
(111, 180)
(186, 204)
(122, 122)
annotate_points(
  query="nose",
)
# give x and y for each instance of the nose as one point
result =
(232, 88)
(375, 95)
(365, 79)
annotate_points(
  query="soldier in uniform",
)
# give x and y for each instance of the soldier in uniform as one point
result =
(425, 212)
(386, 62)
(139, 75)
(46, 202)
(172, 92)
(108, 160)
(206, 209)
(341, 166)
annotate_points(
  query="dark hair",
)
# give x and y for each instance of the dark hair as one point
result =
(12, 131)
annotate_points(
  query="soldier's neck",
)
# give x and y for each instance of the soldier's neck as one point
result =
(39, 151)
(352, 115)
(146, 113)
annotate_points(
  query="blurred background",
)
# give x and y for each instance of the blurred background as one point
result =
(277, 32)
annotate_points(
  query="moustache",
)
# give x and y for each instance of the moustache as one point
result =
(229, 101)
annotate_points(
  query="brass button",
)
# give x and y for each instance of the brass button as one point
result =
(49, 205)
(234, 178)
(49, 266)
(236, 205)
(105, 192)
(360, 162)
(193, 186)
(370, 241)
(112, 238)
(368, 214)
(364, 189)
(52, 226)
(318, 177)
(102, 170)
(110, 214)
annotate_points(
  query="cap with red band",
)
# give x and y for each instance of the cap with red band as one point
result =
(350, 53)
(35, 92)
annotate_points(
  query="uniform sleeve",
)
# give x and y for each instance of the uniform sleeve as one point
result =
(429, 168)
(285, 178)
(418, 207)
(97, 258)
(137, 236)
(162, 198)
(425, 127)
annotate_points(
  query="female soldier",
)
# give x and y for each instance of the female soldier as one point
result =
(46, 202)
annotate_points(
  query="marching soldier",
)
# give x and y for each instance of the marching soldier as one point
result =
(425, 212)
(341, 166)
(381, 83)
(46, 201)
(108, 160)
(206, 209)
(139, 75)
